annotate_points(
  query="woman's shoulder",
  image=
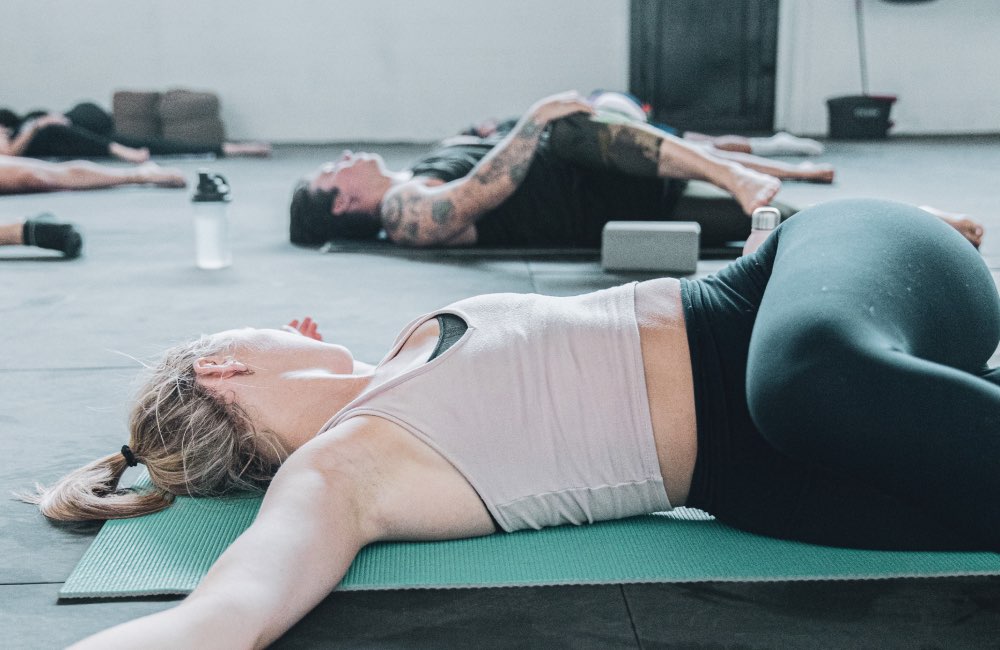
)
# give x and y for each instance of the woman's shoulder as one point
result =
(411, 489)
(368, 443)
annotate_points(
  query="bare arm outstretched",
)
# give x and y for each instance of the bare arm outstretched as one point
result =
(363, 481)
(310, 527)
(416, 214)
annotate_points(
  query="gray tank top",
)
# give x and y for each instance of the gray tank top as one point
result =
(541, 405)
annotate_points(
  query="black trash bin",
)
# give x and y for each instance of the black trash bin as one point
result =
(860, 117)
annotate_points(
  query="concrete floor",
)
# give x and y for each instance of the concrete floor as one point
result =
(73, 331)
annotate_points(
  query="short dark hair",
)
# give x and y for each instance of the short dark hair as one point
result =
(313, 224)
(10, 119)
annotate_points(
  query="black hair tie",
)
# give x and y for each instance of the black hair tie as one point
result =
(129, 456)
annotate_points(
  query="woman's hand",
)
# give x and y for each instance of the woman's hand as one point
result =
(560, 105)
(307, 327)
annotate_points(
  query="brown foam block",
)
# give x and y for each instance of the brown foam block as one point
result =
(191, 116)
(137, 113)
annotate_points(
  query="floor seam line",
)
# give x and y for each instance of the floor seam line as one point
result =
(631, 620)
(531, 277)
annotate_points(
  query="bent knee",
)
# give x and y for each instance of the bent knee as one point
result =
(632, 149)
(800, 378)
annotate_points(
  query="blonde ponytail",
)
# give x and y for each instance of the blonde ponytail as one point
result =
(91, 492)
(191, 441)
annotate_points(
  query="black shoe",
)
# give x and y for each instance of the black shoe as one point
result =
(55, 236)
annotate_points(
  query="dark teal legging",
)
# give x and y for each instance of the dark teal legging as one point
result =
(875, 419)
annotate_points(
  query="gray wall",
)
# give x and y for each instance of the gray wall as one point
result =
(940, 57)
(317, 70)
(327, 70)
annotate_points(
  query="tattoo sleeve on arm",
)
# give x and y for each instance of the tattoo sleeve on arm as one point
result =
(531, 129)
(392, 212)
(413, 216)
(441, 210)
(489, 173)
(503, 169)
(519, 171)
(418, 215)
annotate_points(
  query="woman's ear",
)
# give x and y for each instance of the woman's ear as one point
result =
(219, 367)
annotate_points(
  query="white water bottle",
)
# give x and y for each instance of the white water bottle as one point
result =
(762, 224)
(210, 204)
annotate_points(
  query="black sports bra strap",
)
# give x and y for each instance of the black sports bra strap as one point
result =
(452, 328)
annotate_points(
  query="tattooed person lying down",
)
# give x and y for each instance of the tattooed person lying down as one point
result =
(552, 178)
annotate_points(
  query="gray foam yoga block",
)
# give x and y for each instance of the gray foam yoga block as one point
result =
(650, 246)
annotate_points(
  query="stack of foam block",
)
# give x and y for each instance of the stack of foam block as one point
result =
(181, 115)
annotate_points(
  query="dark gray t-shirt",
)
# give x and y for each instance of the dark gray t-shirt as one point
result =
(558, 204)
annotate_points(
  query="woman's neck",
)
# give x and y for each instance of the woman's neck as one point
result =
(307, 399)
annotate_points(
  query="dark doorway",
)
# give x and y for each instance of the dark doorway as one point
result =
(706, 65)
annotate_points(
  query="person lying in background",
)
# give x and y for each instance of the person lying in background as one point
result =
(555, 179)
(25, 175)
(560, 173)
(87, 131)
(779, 144)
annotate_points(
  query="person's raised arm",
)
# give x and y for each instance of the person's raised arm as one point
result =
(317, 514)
(19, 143)
(415, 214)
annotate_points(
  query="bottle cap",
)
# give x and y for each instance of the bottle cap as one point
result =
(211, 188)
(765, 219)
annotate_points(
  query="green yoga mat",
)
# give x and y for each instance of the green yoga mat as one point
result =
(169, 552)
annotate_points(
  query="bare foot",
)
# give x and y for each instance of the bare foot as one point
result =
(128, 154)
(258, 149)
(785, 144)
(968, 228)
(160, 176)
(752, 189)
(812, 173)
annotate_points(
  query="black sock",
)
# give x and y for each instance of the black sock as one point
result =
(55, 236)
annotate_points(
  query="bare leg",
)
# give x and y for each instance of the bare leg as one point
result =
(636, 148)
(779, 144)
(128, 154)
(27, 175)
(736, 143)
(256, 149)
(806, 171)
(783, 143)
(968, 228)
(750, 188)
(12, 234)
